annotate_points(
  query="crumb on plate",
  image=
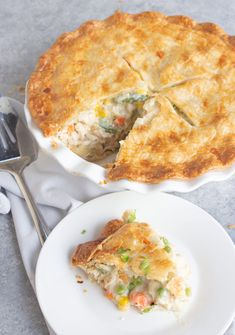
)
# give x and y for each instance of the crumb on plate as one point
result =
(103, 182)
(54, 144)
(79, 279)
(231, 226)
(21, 89)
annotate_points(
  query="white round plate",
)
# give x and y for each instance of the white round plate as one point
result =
(71, 308)
(97, 173)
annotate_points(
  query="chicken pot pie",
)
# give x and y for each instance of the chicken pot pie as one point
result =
(158, 89)
(135, 266)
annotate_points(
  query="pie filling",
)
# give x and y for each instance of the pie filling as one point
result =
(124, 288)
(96, 133)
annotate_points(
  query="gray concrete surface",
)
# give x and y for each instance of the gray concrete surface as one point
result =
(27, 28)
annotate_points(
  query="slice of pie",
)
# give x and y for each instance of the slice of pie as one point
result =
(162, 85)
(135, 266)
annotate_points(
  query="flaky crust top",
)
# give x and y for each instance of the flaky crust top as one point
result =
(173, 56)
(121, 53)
(175, 149)
(135, 237)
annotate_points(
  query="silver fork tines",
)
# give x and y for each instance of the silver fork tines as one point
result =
(8, 145)
(9, 133)
(2, 138)
(17, 150)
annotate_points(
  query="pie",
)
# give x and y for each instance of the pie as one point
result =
(158, 89)
(135, 266)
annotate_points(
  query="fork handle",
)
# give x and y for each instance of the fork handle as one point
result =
(41, 228)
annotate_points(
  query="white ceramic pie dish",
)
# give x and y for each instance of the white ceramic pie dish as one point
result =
(96, 173)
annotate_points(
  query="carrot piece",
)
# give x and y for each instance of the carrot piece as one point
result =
(71, 128)
(139, 299)
(120, 121)
(109, 295)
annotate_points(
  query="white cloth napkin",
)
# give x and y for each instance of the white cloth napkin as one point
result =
(57, 192)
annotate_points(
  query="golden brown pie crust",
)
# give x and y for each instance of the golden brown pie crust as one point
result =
(137, 238)
(164, 53)
(173, 148)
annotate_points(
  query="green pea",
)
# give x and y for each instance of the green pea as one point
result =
(167, 248)
(134, 283)
(120, 289)
(188, 291)
(145, 266)
(146, 310)
(161, 291)
(125, 258)
(124, 254)
(132, 217)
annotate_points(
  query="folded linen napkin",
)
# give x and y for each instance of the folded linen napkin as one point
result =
(57, 192)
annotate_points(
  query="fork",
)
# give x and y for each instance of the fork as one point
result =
(18, 150)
